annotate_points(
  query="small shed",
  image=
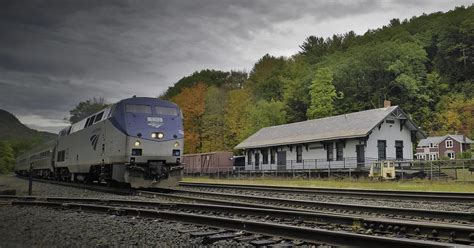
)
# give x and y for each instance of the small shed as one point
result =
(208, 163)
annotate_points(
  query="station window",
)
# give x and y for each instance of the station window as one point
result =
(299, 154)
(382, 149)
(265, 156)
(249, 157)
(399, 149)
(272, 155)
(449, 144)
(339, 151)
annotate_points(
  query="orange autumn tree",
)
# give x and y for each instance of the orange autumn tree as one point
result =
(191, 100)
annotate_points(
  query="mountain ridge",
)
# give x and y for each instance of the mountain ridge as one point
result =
(11, 129)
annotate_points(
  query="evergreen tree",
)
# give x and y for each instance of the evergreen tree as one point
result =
(323, 93)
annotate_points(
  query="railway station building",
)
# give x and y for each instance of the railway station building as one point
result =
(353, 140)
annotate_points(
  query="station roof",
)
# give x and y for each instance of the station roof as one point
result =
(352, 125)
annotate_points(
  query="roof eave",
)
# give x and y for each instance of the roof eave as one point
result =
(238, 147)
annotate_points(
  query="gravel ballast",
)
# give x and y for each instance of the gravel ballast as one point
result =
(44, 227)
(22, 226)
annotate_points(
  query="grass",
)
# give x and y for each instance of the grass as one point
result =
(416, 185)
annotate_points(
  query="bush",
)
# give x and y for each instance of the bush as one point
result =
(465, 155)
(7, 158)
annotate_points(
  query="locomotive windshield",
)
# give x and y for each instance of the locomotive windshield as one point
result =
(135, 108)
(166, 111)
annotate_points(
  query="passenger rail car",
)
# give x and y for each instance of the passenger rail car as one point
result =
(137, 141)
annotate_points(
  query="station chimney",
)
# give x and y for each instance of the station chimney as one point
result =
(387, 103)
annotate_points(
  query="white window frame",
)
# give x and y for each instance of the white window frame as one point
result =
(453, 155)
(449, 144)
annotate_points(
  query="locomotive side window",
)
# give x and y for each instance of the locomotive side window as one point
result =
(166, 111)
(98, 117)
(61, 156)
(140, 109)
(89, 121)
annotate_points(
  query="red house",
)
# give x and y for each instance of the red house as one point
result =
(433, 148)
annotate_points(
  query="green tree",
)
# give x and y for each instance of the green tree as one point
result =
(86, 108)
(265, 79)
(7, 158)
(229, 80)
(264, 114)
(455, 114)
(236, 120)
(315, 48)
(392, 70)
(297, 82)
(213, 119)
(323, 93)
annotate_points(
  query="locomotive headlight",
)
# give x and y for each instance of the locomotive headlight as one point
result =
(137, 143)
(158, 135)
(176, 144)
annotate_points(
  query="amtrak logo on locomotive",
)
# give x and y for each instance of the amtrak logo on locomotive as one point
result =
(94, 138)
(155, 121)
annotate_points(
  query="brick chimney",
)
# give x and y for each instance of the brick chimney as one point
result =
(387, 103)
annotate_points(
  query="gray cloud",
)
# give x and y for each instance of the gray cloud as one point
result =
(56, 53)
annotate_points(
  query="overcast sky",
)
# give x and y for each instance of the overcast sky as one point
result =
(54, 54)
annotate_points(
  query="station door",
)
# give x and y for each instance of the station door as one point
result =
(281, 160)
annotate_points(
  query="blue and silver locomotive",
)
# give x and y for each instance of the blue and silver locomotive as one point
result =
(138, 141)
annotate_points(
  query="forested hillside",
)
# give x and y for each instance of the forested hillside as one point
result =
(16, 138)
(424, 64)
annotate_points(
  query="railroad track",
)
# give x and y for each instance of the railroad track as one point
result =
(311, 227)
(384, 194)
(312, 206)
(281, 203)
(342, 216)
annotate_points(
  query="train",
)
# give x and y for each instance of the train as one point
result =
(137, 141)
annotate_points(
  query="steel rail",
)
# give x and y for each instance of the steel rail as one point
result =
(455, 233)
(277, 202)
(304, 204)
(387, 194)
(273, 229)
